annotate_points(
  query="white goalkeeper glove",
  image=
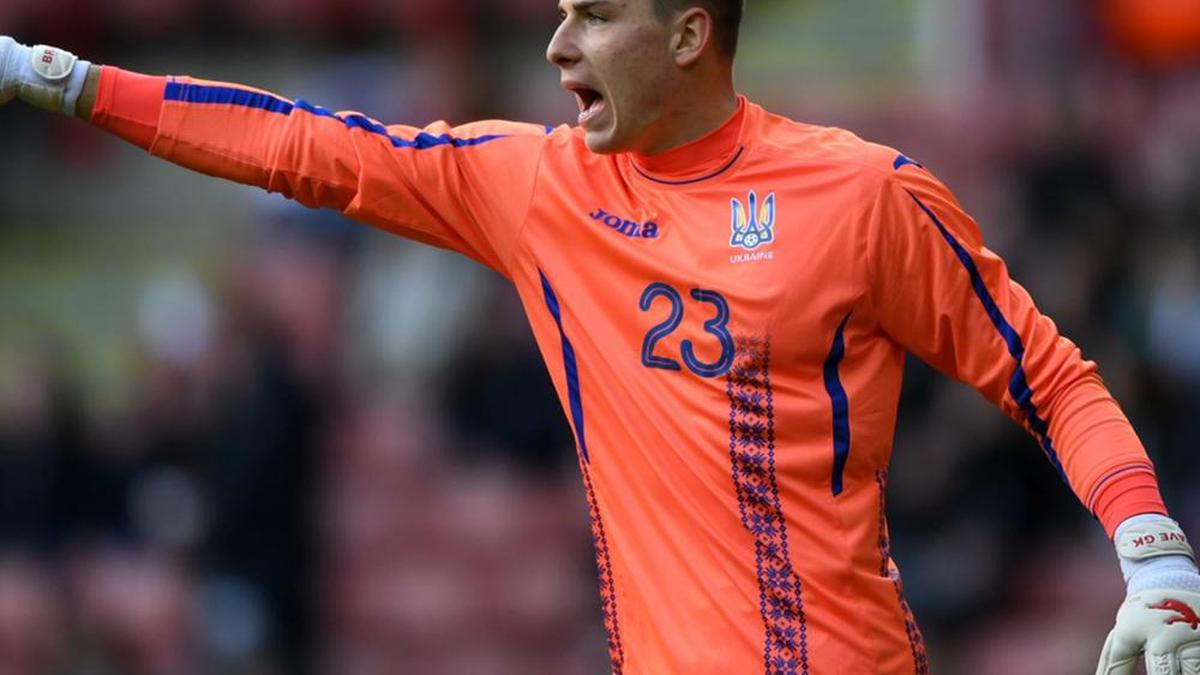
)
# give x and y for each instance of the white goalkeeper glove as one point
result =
(46, 77)
(1161, 613)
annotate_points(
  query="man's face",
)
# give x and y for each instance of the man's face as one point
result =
(614, 55)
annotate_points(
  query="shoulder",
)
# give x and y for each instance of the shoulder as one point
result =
(567, 150)
(873, 174)
(568, 139)
(816, 147)
(493, 134)
(492, 128)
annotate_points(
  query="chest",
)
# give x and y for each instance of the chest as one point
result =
(675, 273)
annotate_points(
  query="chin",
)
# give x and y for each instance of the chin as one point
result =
(604, 142)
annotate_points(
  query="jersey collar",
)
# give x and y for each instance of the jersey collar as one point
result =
(704, 158)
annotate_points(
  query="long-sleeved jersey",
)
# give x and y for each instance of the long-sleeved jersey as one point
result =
(726, 325)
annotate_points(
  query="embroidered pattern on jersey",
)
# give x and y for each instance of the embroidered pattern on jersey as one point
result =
(916, 641)
(752, 454)
(604, 561)
(753, 226)
(608, 590)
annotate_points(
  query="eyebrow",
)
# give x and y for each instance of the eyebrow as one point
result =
(583, 5)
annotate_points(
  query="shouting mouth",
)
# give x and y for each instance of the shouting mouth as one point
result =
(591, 102)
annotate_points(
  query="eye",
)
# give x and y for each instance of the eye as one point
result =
(594, 19)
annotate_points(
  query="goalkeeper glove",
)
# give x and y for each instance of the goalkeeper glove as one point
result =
(1161, 613)
(46, 77)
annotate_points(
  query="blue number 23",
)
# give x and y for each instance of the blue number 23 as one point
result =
(717, 326)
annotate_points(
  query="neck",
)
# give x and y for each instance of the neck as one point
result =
(695, 113)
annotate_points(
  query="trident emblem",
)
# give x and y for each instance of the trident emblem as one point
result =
(754, 226)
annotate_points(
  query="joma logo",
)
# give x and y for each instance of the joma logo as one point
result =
(629, 228)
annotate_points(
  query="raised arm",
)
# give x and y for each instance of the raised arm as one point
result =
(464, 188)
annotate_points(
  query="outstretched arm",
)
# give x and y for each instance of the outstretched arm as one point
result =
(465, 188)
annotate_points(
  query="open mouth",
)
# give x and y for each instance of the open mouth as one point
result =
(590, 101)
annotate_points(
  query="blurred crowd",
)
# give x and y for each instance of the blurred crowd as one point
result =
(237, 436)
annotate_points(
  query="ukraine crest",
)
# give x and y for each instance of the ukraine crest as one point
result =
(753, 224)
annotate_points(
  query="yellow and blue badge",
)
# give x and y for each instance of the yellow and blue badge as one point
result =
(753, 224)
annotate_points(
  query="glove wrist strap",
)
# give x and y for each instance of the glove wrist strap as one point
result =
(50, 78)
(1151, 536)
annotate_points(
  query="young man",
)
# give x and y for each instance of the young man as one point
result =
(724, 298)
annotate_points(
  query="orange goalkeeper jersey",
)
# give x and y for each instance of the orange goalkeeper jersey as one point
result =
(726, 325)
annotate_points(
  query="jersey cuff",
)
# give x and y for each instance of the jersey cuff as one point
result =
(129, 104)
(1133, 492)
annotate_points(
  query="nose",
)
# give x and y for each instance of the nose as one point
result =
(562, 50)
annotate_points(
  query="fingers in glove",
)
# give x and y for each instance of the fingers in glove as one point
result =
(1183, 660)
(1117, 657)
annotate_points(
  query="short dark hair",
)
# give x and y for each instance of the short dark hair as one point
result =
(726, 14)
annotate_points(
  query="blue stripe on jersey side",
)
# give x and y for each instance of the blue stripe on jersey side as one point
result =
(569, 365)
(206, 94)
(840, 404)
(1018, 384)
(608, 592)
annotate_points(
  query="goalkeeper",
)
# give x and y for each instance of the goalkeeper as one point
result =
(733, 456)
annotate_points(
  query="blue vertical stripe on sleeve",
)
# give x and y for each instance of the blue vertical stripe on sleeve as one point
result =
(1018, 384)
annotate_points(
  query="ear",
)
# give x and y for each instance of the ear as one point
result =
(692, 34)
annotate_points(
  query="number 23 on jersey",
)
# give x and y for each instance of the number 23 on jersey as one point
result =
(718, 327)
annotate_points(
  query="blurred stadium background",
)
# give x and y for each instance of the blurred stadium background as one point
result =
(237, 436)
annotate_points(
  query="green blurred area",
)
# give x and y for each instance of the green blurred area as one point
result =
(81, 288)
(860, 51)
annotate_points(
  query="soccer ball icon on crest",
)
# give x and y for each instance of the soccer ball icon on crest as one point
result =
(753, 226)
